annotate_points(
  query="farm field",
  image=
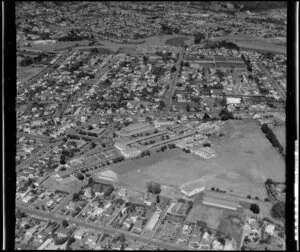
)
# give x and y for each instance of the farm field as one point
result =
(210, 215)
(245, 159)
(279, 131)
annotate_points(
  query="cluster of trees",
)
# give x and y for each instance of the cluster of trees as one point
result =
(217, 190)
(153, 187)
(69, 242)
(118, 159)
(166, 29)
(186, 150)
(199, 37)
(26, 61)
(247, 63)
(163, 148)
(145, 153)
(79, 175)
(272, 138)
(225, 114)
(72, 36)
(161, 104)
(254, 208)
(225, 44)
(278, 210)
(92, 134)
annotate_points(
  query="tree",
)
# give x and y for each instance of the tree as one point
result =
(254, 208)
(206, 117)
(93, 145)
(75, 197)
(206, 145)
(201, 224)
(65, 223)
(157, 199)
(90, 181)
(62, 159)
(79, 176)
(19, 214)
(153, 187)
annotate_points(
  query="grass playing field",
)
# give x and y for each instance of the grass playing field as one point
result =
(245, 159)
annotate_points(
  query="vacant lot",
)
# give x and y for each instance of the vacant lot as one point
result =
(210, 215)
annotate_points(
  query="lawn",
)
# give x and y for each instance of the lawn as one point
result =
(210, 215)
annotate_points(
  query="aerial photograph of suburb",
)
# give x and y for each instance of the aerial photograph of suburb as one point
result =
(150, 125)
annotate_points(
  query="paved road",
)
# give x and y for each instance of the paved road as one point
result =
(109, 230)
(174, 80)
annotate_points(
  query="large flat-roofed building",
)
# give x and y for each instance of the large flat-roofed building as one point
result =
(220, 203)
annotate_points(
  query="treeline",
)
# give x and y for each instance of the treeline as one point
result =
(225, 44)
(272, 138)
(166, 29)
(31, 60)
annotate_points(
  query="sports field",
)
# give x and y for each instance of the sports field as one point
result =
(245, 159)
